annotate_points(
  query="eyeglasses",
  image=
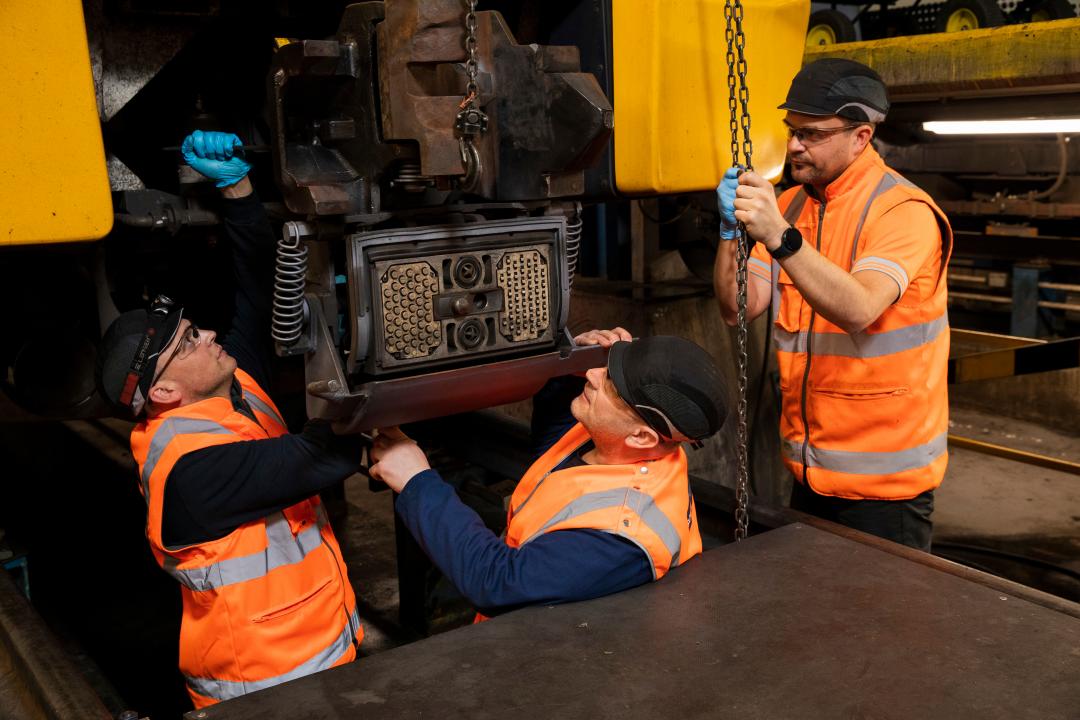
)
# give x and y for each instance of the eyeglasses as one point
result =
(188, 342)
(809, 136)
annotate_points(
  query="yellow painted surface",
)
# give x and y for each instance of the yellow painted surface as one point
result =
(672, 123)
(54, 186)
(1006, 60)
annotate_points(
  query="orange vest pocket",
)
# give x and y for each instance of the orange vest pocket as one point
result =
(294, 605)
(861, 392)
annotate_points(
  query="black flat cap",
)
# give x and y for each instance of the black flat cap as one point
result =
(672, 383)
(834, 86)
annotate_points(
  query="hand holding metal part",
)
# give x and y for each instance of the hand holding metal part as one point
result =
(216, 155)
(396, 458)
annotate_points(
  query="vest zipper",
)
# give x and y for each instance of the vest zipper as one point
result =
(809, 357)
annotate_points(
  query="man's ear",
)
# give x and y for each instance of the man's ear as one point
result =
(863, 135)
(165, 392)
(642, 437)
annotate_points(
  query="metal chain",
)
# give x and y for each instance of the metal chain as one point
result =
(471, 120)
(472, 67)
(736, 44)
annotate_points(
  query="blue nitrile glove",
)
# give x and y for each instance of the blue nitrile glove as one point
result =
(217, 155)
(725, 196)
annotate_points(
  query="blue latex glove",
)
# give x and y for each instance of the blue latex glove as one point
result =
(725, 195)
(217, 155)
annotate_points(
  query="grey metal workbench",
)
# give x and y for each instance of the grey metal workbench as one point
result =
(792, 623)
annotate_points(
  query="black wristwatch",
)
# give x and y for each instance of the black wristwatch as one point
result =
(790, 242)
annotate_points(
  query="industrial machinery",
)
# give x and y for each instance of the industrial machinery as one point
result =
(429, 168)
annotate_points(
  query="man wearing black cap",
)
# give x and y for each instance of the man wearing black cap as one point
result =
(605, 507)
(853, 262)
(232, 506)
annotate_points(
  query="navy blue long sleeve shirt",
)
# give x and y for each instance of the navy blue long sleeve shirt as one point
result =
(559, 566)
(212, 491)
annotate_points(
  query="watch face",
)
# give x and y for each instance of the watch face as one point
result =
(792, 239)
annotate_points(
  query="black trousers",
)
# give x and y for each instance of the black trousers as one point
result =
(903, 521)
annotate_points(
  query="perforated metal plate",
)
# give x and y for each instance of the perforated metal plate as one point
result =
(410, 329)
(425, 297)
(523, 277)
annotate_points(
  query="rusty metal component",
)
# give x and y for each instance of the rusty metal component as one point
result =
(326, 142)
(38, 678)
(378, 109)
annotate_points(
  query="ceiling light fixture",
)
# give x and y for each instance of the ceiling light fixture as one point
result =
(1024, 126)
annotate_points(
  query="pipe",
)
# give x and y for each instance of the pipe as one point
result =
(1063, 167)
(980, 296)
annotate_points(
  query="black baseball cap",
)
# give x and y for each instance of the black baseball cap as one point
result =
(834, 86)
(127, 356)
(672, 383)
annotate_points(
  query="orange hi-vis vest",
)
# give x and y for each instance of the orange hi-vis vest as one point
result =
(864, 415)
(270, 601)
(648, 503)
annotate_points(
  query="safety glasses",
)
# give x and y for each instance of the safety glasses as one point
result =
(185, 347)
(810, 136)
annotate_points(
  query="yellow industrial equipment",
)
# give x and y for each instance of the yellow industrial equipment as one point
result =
(672, 123)
(54, 186)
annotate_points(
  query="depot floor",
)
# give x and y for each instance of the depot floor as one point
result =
(71, 504)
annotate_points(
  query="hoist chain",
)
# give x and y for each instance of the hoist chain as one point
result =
(739, 99)
(471, 121)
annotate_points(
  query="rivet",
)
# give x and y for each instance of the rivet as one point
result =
(644, 470)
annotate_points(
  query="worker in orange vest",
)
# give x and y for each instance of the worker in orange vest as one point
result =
(232, 507)
(853, 262)
(606, 506)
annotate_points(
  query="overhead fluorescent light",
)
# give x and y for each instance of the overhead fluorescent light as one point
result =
(1049, 126)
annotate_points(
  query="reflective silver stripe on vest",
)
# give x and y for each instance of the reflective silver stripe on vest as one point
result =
(888, 182)
(760, 265)
(867, 463)
(862, 344)
(282, 548)
(164, 435)
(323, 660)
(262, 407)
(641, 503)
(867, 263)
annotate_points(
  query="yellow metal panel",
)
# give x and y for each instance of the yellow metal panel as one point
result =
(54, 186)
(989, 62)
(672, 123)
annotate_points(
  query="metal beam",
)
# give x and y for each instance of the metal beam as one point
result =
(1009, 453)
(1014, 59)
(1044, 357)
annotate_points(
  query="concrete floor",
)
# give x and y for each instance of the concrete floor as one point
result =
(1010, 506)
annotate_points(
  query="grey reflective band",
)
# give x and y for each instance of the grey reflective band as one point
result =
(262, 407)
(887, 182)
(642, 504)
(901, 277)
(164, 435)
(282, 548)
(322, 660)
(867, 463)
(760, 264)
(863, 344)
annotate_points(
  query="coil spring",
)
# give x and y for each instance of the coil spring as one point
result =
(573, 243)
(409, 178)
(287, 324)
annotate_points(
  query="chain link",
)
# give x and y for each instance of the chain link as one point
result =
(739, 100)
(471, 121)
(472, 66)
